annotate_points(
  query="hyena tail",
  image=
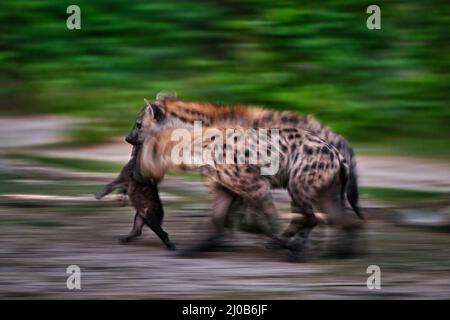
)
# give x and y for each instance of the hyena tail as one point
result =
(352, 192)
(343, 175)
(349, 187)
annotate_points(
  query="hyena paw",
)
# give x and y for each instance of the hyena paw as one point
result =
(297, 249)
(296, 255)
(275, 244)
(125, 239)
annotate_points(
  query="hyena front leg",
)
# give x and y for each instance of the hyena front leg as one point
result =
(236, 210)
(265, 207)
(136, 231)
(244, 217)
(221, 203)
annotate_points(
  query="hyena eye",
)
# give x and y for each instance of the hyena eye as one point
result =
(139, 125)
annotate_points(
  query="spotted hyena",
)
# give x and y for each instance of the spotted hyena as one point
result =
(168, 112)
(144, 197)
(313, 172)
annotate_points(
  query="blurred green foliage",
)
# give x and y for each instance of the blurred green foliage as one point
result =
(382, 88)
(69, 163)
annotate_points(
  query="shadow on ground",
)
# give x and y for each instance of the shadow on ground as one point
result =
(41, 236)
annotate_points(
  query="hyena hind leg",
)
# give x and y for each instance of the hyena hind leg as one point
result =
(219, 211)
(136, 231)
(300, 227)
(302, 223)
(347, 239)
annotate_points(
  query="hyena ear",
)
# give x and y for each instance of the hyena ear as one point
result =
(149, 108)
(155, 110)
(164, 95)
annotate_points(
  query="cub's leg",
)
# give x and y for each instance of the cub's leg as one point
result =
(154, 221)
(148, 196)
(120, 181)
(110, 187)
(136, 231)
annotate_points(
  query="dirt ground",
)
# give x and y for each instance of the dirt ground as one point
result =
(41, 238)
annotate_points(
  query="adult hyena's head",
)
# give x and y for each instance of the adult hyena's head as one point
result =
(150, 118)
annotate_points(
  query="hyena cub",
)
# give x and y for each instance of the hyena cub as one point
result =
(313, 172)
(144, 197)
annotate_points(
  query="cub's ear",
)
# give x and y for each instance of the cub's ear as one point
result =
(155, 109)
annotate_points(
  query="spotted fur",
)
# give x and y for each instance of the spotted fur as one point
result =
(313, 172)
(168, 112)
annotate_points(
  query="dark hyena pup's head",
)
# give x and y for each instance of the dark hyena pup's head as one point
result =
(149, 118)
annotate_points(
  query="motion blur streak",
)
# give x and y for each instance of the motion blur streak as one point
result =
(68, 98)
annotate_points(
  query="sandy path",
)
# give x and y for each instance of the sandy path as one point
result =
(379, 171)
